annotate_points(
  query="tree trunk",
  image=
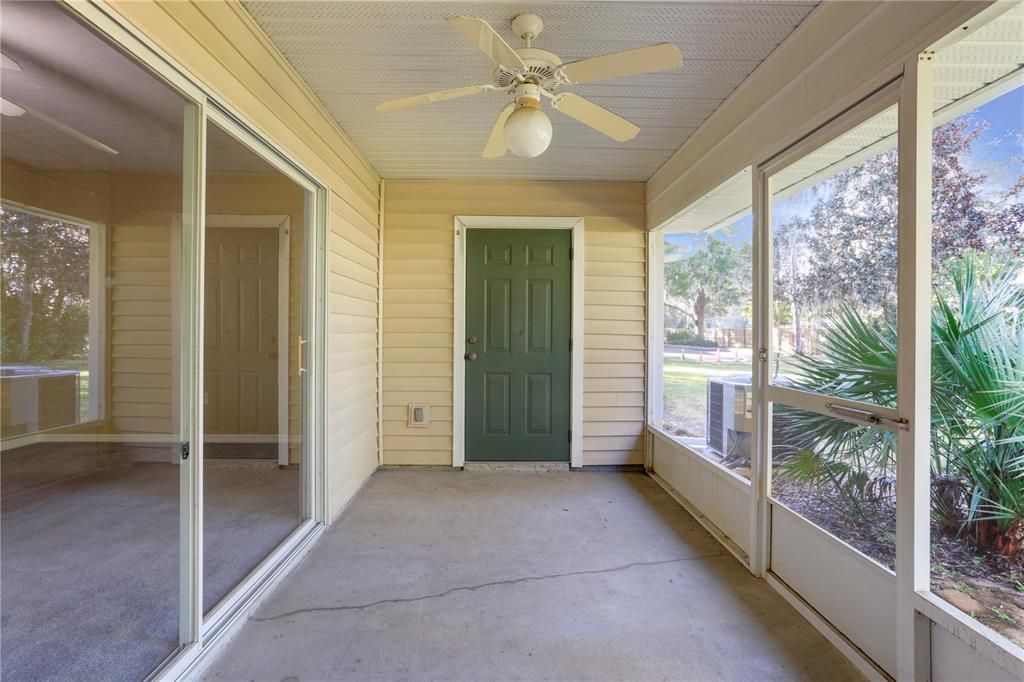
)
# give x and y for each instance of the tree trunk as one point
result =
(798, 337)
(25, 301)
(1008, 543)
(700, 307)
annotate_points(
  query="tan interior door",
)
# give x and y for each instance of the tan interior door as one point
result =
(241, 331)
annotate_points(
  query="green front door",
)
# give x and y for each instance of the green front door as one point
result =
(518, 297)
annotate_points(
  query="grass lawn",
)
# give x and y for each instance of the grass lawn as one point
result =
(685, 392)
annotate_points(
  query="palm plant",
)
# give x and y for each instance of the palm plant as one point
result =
(977, 405)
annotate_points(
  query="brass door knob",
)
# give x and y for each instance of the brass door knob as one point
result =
(470, 356)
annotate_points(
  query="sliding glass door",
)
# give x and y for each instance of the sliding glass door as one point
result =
(256, 330)
(159, 365)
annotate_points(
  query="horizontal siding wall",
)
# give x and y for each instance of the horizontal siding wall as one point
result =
(221, 46)
(419, 307)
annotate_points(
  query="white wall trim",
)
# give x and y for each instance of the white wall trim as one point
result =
(464, 222)
(281, 223)
(655, 326)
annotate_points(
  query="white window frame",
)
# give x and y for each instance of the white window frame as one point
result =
(97, 361)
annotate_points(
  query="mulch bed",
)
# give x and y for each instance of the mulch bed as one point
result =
(987, 586)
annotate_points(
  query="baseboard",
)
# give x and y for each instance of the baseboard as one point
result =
(148, 438)
(611, 468)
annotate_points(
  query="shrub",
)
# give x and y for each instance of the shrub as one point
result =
(977, 406)
(684, 337)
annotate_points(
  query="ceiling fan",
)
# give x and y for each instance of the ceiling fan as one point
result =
(12, 110)
(531, 74)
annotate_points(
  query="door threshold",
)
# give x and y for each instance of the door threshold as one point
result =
(537, 467)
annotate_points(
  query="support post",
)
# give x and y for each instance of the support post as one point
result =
(760, 456)
(913, 385)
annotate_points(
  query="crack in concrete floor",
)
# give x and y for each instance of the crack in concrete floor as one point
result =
(473, 588)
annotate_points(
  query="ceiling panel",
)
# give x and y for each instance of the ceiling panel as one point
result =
(356, 54)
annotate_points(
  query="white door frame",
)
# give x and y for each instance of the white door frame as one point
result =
(466, 222)
(282, 224)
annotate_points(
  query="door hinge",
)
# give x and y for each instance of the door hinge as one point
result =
(762, 354)
(570, 253)
(570, 345)
(184, 450)
(570, 435)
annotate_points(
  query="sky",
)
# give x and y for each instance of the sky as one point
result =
(997, 153)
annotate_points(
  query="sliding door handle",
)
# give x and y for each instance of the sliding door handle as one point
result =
(302, 342)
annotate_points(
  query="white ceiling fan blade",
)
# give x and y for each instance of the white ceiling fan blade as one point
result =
(431, 97)
(496, 145)
(597, 117)
(9, 108)
(628, 63)
(488, 40)
(63, 127)
(9, 63)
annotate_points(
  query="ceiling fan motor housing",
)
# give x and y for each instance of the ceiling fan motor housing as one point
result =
(540, 69)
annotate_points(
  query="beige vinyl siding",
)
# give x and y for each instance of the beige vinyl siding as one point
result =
(419, 307)
(222, 46)
(83, 195)
(143, 212)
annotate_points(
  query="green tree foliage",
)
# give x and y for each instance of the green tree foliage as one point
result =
(977, 405)
(845, 251)
(709, 281)
(45, 287)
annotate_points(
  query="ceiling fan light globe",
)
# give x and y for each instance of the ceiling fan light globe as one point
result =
(528, 132)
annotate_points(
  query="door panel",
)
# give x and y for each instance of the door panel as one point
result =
(518, 298)
(241, 331)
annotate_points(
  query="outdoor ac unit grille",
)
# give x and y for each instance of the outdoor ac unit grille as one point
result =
(716, 408)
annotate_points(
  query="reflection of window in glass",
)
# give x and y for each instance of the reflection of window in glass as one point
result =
(46, 345)
(707, 398)
(977, 521)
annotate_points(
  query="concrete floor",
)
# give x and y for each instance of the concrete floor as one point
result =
(446, 575)
(89, 577)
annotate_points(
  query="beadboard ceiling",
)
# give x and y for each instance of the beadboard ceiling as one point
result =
(355, 54)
